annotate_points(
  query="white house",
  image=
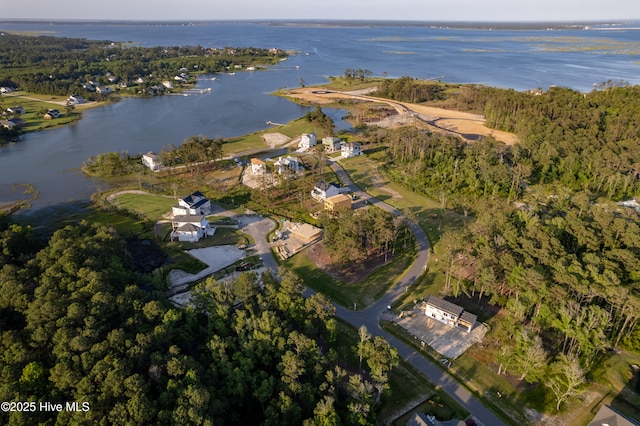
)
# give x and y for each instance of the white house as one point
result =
(152, 161)
(258, 166)
(103, 89)
(16, 110)
(167, 84)
(324, 190)
(191, 228)
(75, 99)
(194, 204)
(288, 163)
(307, 140)
(350, 149)
(449, 313)
(5, 89)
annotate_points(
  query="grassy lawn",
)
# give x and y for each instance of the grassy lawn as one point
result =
(343, 84)
(254, 140)
(149, 205)
(126, 225)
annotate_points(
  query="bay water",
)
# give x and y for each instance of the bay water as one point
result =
(240, 104)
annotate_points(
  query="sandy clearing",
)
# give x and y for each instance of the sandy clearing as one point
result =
(275, 140)
(462, 123)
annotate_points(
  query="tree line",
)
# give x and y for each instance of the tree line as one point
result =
(563, 260)
(77, 323)
(61, 66)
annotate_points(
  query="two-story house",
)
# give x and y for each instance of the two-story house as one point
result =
(449, 313)
(194, 204)
(307, 140)
(324, 190)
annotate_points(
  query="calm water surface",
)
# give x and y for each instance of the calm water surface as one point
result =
(242, 104)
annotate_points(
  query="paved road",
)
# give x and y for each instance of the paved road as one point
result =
(370, 316)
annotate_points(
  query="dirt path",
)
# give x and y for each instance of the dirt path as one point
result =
(463, 124)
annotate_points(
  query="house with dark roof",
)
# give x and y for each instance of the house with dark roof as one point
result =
(324, 190)
(194, 204)
(51, 114)
(449, 313)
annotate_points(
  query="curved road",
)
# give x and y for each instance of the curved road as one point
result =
(369, 317)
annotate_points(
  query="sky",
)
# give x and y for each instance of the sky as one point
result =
(410, 10)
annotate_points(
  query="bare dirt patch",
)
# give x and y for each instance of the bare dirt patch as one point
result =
(353, 274)
(275, 140)
(466, 125)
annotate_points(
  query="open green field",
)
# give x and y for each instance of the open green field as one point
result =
(342, 83)
(254, 141)
(149, 205)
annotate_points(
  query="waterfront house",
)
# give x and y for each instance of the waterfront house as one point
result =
(350, 149)
(449, 313)
(103, 90)
(194, 204)
(12, 123)
(51, 114)
(75, 100)
(307, 140)
(191, 228)
(324, 190)
(152, 161)
(16, 110)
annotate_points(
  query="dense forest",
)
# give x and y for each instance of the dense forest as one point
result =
(61, 66)
(549, 243)
(78, 323)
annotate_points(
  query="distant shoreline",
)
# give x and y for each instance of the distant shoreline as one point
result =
(337, 23)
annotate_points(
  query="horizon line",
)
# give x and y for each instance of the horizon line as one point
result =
(326, 20)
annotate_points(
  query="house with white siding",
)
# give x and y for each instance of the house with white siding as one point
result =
(449, 313)
(194, 204)
(351, 149)
(152, 161)
(307, 140)
(191, 228)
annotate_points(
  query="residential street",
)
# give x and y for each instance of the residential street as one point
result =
(370, 316)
